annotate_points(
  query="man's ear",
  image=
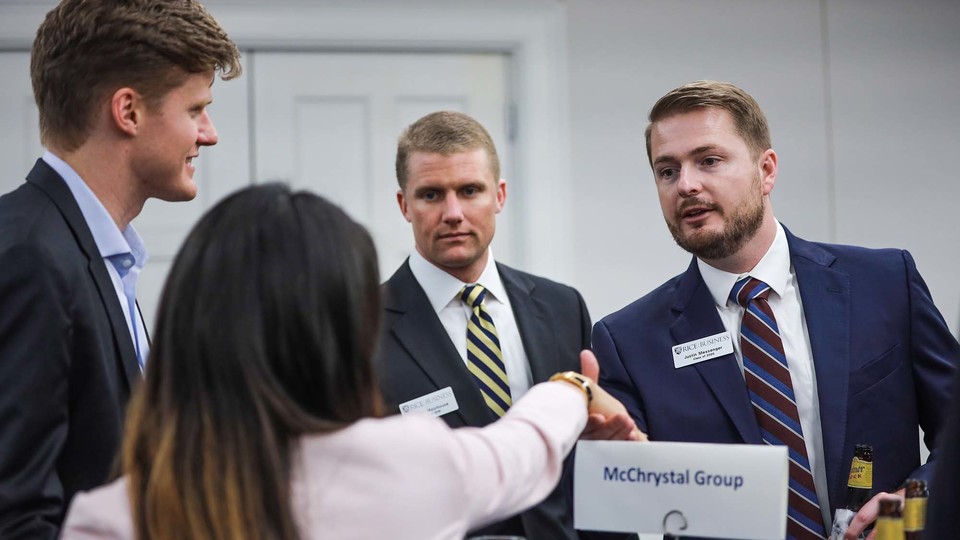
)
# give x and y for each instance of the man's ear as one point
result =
(768, 170)
(402, 202)
(501, 194)
(127, 110)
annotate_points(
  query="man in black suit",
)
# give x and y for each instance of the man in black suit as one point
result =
(122, 90)
(528, 327)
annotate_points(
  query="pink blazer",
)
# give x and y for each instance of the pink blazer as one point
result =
(407, 477)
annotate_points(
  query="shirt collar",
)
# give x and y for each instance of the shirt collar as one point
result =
(442, 288)
(773, 269)
(108, 237)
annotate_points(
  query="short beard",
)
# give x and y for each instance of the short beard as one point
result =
(710, 246)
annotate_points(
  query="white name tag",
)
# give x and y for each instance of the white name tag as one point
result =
(436, 403)
(702, 349)
(712, 490)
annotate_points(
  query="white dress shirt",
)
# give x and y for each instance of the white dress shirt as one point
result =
(775, 270)
(443, 292)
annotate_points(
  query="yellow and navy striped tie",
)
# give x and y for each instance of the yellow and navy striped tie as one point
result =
(484, 358)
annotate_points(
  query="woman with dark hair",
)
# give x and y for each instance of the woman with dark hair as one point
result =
(259, 416)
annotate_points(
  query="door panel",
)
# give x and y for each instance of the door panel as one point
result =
(20, 134)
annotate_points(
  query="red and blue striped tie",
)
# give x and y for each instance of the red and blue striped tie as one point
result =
(771, 393)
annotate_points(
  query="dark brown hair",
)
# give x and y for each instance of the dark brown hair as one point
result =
(86, 49)
(265, 332)
(444, 132)
(747, 115)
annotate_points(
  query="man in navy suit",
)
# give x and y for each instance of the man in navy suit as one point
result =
(451, 192)
(122, 90)
(943, 520)
(867, 355)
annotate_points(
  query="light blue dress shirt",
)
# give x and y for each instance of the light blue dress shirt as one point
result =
(123, 252)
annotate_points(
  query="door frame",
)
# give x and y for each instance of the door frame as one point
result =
(531, 32)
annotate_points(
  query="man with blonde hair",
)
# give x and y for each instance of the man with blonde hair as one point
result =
(122, 88)
(466, 333)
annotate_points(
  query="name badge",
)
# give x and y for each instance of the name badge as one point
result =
(702, 349)
(436, 403)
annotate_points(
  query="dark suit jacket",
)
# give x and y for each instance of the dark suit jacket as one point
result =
(943, 519)
(67, 362)
(883, 358)
(416, 357)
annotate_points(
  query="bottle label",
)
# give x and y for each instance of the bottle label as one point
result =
(914, 513)
(861, 474)
(889, 528)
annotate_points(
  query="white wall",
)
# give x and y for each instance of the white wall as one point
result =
(861, 96)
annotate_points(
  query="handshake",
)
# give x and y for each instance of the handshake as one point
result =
(608, 419)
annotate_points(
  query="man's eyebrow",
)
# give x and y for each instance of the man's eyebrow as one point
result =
(695, 152)
(664, 159)
(704, 149)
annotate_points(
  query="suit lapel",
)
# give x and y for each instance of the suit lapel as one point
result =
(532, 315)
(48, 181)
(146, 331)
(698, 318)
(418, 330)
(826, 308)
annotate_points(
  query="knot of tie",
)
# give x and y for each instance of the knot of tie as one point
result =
(473, 295)
(748, 289)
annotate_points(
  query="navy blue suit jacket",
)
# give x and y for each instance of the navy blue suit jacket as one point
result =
(67, 362)
(943, 520)
(882, 354)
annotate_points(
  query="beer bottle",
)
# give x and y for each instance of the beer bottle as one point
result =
(889, 520)
(859, 485)
(860, 481)
(915, 509)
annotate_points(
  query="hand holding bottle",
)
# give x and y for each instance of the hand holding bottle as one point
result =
(867, 515)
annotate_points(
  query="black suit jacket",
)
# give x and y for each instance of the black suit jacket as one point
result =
(416, 357)
(67, 362)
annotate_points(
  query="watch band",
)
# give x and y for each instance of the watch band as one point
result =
(577, 380)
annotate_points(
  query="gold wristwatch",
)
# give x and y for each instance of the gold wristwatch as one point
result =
(577, 380)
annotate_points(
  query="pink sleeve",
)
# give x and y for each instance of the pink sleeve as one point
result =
(516, 462)
(101, 514)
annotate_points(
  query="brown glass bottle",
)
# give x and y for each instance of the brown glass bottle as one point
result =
(859, 486)
(860, 481)
(889, 520)
(915, 509)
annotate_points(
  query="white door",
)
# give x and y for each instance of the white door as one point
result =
(329, 122)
